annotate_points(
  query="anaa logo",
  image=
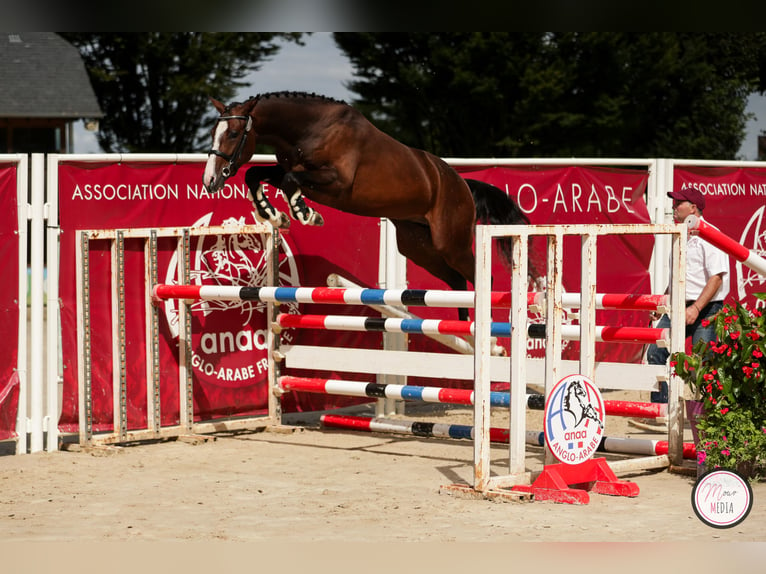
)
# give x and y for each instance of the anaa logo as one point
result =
(229, 338)
(574, 419)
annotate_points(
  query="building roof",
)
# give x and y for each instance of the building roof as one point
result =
(43, 76)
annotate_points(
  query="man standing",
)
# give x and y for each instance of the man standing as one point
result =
(707, 284)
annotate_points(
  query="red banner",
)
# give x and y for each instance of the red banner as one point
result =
(9, 302)
(229, 355)
(228, 342)
(735, 199)
(576, 195)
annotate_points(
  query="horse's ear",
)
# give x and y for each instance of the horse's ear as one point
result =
(218, 105)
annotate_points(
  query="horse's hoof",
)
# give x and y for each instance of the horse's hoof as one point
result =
(284, 221)
(316, 219)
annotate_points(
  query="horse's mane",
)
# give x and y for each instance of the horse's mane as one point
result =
(289, 95)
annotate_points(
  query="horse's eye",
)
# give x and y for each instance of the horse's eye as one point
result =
(233, 134)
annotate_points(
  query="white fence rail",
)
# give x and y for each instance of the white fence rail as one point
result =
(39, 360)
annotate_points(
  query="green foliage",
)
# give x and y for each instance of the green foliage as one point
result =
(733, 441)
(729, 376)
(559, 94)
(153, 87)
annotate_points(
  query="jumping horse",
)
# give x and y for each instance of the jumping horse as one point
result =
(329, 152)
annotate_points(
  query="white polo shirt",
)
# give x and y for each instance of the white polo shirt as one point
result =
(703, 260)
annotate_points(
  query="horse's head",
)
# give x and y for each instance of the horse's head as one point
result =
(233, 143)
(574, 392)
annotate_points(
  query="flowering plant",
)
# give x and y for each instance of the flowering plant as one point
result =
(729, 376)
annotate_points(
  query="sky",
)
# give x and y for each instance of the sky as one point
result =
(320, 66)
(757, 105)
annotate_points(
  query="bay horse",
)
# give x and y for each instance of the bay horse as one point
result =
(329, 152)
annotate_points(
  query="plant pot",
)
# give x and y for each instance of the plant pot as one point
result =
(695, 410)
(746, 468)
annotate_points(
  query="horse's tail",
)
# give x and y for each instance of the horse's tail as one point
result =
(495, 207)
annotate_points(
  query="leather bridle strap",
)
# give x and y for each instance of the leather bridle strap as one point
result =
(226, 171)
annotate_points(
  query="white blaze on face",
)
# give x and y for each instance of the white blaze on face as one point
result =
(210, 174)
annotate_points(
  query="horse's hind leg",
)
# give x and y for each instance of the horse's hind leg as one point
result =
(415, 243)
(267, 212)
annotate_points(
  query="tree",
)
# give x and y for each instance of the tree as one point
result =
(559, 94)
(153, 86)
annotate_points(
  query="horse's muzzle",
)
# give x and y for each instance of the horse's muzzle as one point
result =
(213, 180)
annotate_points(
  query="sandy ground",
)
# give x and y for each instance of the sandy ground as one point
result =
(343, 493)
(333, 487)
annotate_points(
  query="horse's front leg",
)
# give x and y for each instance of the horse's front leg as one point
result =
(291, 186)
(267, 212)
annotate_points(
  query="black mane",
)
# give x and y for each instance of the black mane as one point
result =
(288, 95)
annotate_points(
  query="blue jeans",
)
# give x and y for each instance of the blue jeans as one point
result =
(659, 355)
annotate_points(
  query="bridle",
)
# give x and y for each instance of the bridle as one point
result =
(234, 156)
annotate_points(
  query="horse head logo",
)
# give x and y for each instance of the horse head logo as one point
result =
(577, 405)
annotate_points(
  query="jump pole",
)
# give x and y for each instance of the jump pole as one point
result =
(402, 297)
(716, 237)
(618, 445)
(463, 328)
(446, 395)
(459, 344)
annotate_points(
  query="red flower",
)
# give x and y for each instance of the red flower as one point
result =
(720, 348)
(734, 335)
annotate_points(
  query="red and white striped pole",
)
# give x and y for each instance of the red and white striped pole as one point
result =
(726, 244)
(408, 297)
(499, 435)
